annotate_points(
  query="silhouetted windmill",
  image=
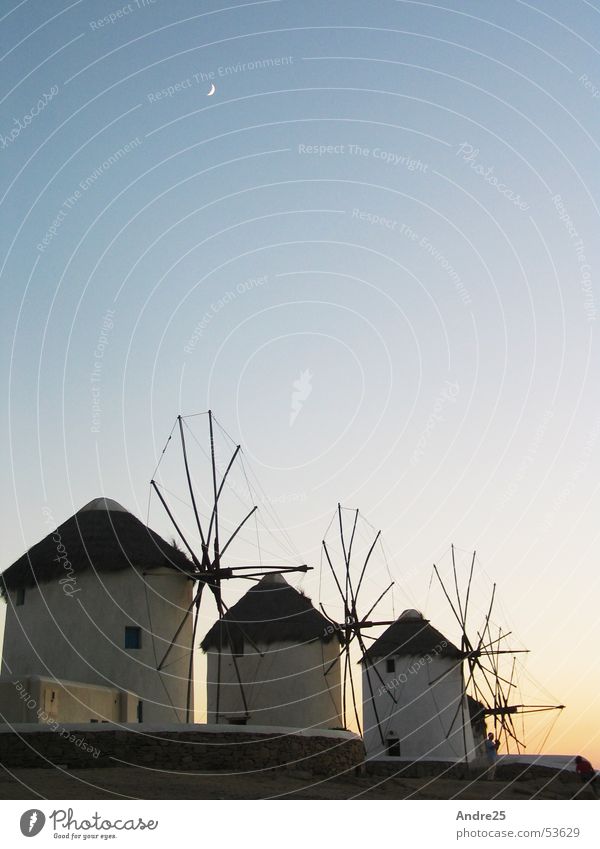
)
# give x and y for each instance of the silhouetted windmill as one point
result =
(348, 585)
(483, 657)
(206, 549)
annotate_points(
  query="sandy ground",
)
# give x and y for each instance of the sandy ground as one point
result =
(127, 783)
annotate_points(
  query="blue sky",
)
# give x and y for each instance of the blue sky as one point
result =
(393, 204)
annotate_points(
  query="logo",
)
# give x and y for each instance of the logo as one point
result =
(32, 822)
(302, 387)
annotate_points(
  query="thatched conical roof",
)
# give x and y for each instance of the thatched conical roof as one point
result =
(270, 612)
(411, 634)
(476, 710)
(102, 536)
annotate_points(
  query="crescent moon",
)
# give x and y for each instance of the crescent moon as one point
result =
(212, 90)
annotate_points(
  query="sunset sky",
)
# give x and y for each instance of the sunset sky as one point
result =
(373, 252)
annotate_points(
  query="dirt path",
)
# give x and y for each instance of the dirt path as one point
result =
(148, 784)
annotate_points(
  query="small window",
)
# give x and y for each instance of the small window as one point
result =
(393, 747)
(240, 721)
(390, 665)
(93, 720)
(140, 711)
(20, 596)
(133, 637)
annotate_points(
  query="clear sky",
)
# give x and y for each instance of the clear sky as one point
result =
(372, 252)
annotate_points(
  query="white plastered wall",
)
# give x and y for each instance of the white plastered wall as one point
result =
(430, 716)
(286, 686)
(80, 636)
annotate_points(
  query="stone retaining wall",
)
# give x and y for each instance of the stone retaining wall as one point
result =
(523, 772)
(417, 769)
(188, 751)
(504, 772)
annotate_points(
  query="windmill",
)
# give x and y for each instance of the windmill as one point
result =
(207, 545)
(485, 656)
(352, 630)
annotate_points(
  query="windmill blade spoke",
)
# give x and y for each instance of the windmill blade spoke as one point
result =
(495, 656)
(487, 646)
(217, 494)
(352, 536)
(342, 594)
(510, 731)
(244, 633)
(227, 470)
(331, 665)
(491, 672)
(536, 708)
(222, 610)
(460, 705)
(469, 588)
(216, 590)
(177, 633)
(492, 688)
(175, 525)
(191, 663)
(348, 595)
(348, 583)
(487, 618)
(229, 572)
(189, 481)
(457, 617)
(341, 524)
(364, 650)
(375, 711)
(513, 731)
(327, 616)
(476, 653)
(350, 591)
(376, 603)
(481, 697)
(460, 610)
(444, 674)
(214, 520)
(493, 659)
(345, 676)
(369, 624)
(354, 704)
(237, 530)
(368, 557)
(512, 676)
(236, 668)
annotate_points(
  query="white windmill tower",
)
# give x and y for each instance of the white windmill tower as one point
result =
(422, 669)
(88, 609)
(285, 652)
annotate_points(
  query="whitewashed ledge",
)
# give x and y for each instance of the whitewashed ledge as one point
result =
(176, 727)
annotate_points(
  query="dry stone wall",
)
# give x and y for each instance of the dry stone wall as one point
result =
(187, 751)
